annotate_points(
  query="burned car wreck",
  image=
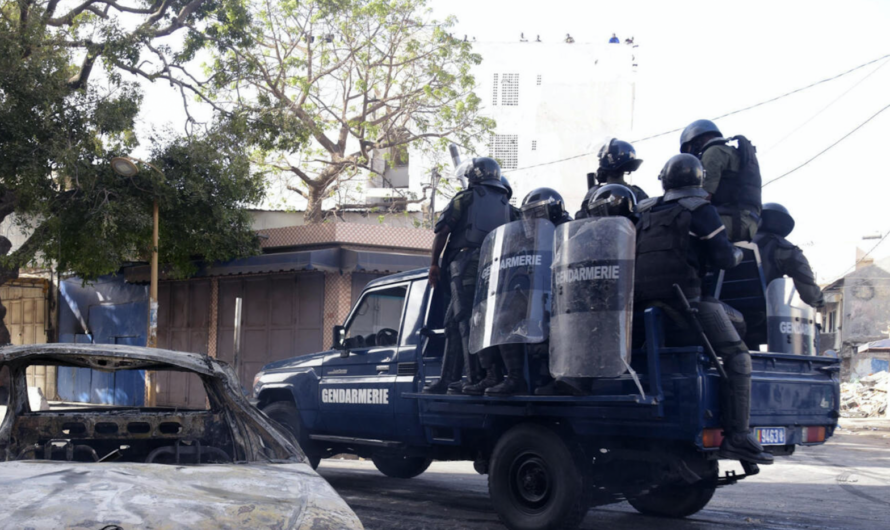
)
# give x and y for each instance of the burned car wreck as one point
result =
(221, 465)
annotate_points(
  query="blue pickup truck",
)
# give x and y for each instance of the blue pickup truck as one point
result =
(652, 441)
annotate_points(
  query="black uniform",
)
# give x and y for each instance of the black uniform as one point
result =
(678, 237)
(470, 215)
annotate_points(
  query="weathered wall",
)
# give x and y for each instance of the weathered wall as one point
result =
(867, 304)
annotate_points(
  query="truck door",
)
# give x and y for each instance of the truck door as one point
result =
(357, 393)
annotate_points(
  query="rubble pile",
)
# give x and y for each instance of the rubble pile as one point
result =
(866, 398)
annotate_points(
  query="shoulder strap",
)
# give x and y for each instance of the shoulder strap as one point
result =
(693, 203)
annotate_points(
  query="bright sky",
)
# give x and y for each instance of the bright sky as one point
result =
(702, 59)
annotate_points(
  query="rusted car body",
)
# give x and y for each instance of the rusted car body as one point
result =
(228, 466)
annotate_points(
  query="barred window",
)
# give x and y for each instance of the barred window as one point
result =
(510, 90)
(534, 145)
(539, 79)
(505, 149)
(494, 91)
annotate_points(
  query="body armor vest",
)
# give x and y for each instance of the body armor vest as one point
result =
(741, 189)
(489, 208)
(663, 253)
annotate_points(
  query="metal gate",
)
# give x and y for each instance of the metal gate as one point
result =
(26, 319)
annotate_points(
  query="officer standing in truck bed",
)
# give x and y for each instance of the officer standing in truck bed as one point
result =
(616, 159)
(464, 223)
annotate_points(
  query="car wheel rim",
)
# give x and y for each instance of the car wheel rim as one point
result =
(531, 481)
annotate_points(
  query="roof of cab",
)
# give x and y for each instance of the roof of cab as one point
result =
(415, 274)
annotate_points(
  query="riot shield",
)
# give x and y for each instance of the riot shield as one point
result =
(790, 323)
(593, 279)
(512, 303)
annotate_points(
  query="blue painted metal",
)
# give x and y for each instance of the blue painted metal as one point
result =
(683, 388)
(107, 311)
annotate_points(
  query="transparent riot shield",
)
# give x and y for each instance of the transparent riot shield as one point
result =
(512, 303)
(790, 323)
(593, 279)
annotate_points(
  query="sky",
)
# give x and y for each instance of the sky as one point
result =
(704, 59)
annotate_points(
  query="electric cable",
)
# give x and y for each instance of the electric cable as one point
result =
(860, 260)
(826, 107)
(737, 111)
(820, 153)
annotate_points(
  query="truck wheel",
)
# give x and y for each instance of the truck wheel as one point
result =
(401, 466)
(285, 414)
(680, 500)
(534, 481)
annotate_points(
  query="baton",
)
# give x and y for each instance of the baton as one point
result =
(693, 316)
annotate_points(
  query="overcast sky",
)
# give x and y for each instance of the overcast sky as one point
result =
(703, 59)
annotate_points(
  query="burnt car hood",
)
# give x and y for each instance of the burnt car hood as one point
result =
(91, 496)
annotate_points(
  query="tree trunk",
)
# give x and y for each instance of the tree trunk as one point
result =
(314, 199)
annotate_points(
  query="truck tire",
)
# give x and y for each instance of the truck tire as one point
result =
(401, 466)
(285, 414)
(535, 482)
(680, 500)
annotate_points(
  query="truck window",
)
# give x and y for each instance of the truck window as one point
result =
(377, 310)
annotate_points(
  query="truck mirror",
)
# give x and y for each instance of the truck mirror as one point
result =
(339, 338)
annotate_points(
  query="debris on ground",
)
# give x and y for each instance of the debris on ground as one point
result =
(867, 397)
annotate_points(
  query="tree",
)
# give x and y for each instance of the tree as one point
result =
(61, 123)
(327, 83)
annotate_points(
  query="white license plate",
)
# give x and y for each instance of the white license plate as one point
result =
(770, 435)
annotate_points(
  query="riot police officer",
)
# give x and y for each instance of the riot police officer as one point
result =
(732, 176)
(678, 236)
(464, 223)
(616, 158)
(609, 200)
(540, 204)
(779, 258)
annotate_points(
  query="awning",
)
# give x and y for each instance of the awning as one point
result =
(327, 260)
(370, 261)
(307, 260)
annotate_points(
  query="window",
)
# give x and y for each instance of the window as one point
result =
(514, 201)
(534, 145)
(494, 91)
(377, 310)
(510, 90)
(504, 148)
(539, 79)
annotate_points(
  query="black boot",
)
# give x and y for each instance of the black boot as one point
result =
(514, 360)
(452, 365)
(493, 373)
(735, 397)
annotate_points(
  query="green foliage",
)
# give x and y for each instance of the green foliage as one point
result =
(58, 133)
(328, 85)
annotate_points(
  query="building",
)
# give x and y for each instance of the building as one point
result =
(856, 312)
(293, 294)
(551, 101)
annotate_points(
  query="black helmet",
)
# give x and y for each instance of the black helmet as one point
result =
(485, 171)
(617, 155)
(682, 171)
(546, 203)
(775, 218)
(507, 186)
(613, 200)
(694, 130)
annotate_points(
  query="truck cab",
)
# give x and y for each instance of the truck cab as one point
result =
(643, 436)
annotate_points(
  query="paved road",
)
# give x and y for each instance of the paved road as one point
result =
(844, 484)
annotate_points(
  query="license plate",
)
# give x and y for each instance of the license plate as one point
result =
(770, 435)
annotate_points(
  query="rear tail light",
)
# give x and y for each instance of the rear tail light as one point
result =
(813, 434)
(712, 437)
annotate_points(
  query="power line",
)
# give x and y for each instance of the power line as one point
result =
(826, 107)
(860, 260)
(820, 153)
(737, 111)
